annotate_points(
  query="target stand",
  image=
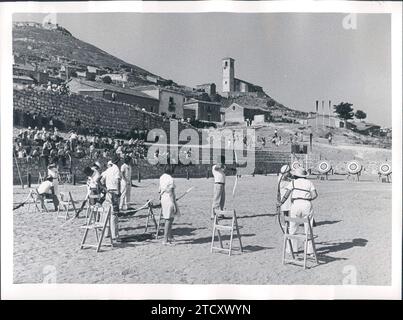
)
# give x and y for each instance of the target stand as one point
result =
(324, 168)
(385, 173)
(354, 169)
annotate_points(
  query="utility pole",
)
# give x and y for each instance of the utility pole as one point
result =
(330, 102)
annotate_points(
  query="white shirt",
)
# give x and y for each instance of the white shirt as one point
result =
(306, 187)
(111, 177)
(44, 187)
(218, 173)
(166, 183)
(126, 171)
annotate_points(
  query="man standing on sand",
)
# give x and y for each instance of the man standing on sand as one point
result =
(219, 185)
(111, 178)
(126, 171)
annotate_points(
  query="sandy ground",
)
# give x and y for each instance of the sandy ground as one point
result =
(353, 228)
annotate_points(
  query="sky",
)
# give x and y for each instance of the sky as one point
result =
(297, 58)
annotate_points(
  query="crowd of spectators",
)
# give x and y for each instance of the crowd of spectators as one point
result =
(50, 146)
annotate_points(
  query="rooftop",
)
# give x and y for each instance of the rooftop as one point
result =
(105, 86)
(192, 100)
(153, 87)
(249, 106)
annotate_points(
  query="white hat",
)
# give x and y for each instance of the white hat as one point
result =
(110, 163)
(299, 172)
(285, 168)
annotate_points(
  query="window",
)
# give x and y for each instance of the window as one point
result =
(226, 64)
(171, 104)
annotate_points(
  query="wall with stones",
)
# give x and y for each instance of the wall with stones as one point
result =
(76, 111)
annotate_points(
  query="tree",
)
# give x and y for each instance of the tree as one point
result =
(344, 110)
(360, 115)
(107, 79)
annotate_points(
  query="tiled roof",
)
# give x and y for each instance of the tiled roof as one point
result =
(105, 86)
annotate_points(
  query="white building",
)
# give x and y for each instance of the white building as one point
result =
(170, 101)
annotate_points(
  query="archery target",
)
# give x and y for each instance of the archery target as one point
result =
(385, 169)
(295, 165)
(354, 167)
(324, 167)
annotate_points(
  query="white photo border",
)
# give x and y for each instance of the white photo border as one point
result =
(9, 290)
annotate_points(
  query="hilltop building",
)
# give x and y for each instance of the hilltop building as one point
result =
(209, 88)
(232, 86)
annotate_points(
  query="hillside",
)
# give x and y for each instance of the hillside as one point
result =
(44, 46)
(53, 46)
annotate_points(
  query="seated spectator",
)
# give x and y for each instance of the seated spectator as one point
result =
(92, 150)
(45, 191)
(80, 152)
(38, 138)
(36, 153)
(61, 154)
(21, 153)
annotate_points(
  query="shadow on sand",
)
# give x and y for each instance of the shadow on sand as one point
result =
(257, 215)
(225, 237)
(322, 223)
(340, 246)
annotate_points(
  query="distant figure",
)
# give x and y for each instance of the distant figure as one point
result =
(310, 140)
(291, 138)
(330, 138)
(126, 171)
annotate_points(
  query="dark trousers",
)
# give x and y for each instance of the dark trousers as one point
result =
(52, 196)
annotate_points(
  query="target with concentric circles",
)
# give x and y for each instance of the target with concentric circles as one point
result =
(385, 169)
(324, 167)
(354, 167)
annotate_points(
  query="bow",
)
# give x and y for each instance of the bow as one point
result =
(278, 204)
(236, 174)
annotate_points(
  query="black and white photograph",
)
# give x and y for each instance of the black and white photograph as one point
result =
(201, 149)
